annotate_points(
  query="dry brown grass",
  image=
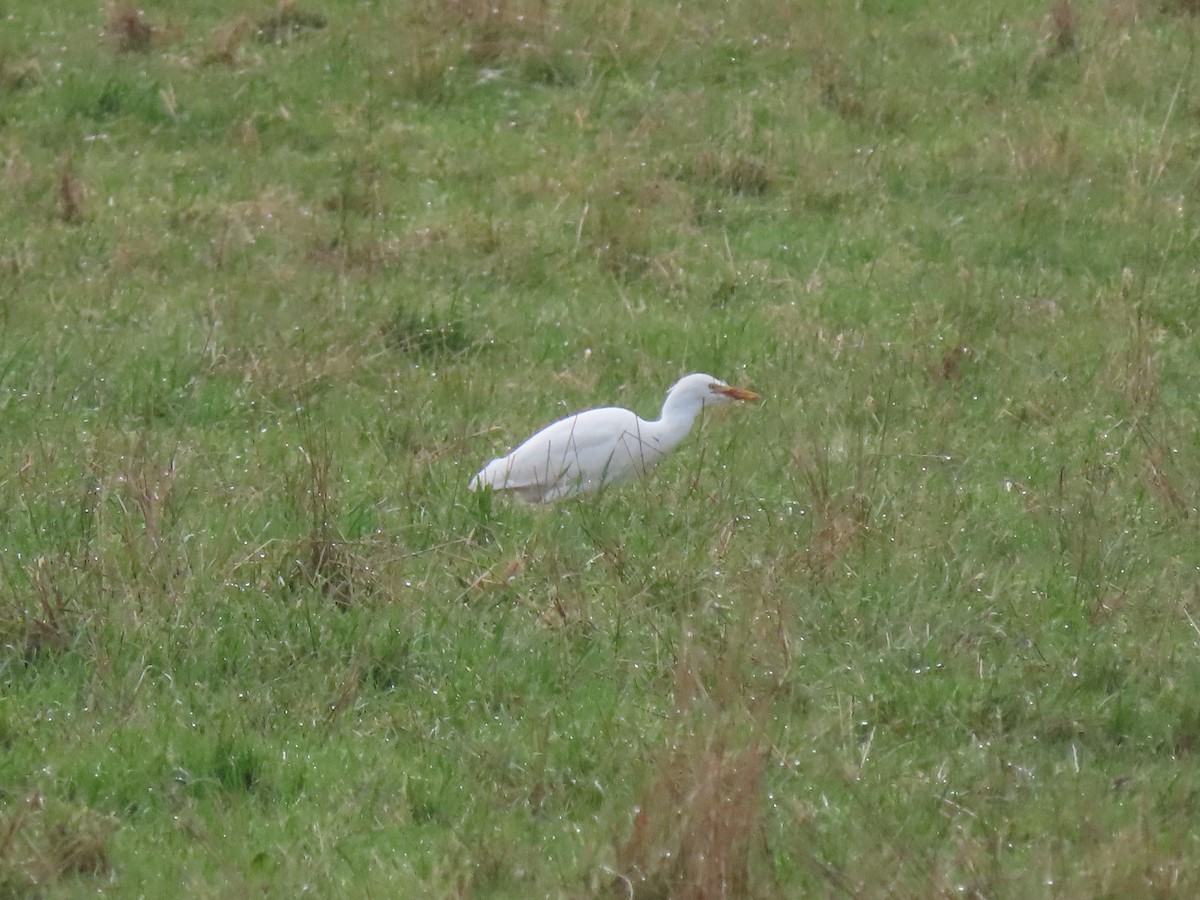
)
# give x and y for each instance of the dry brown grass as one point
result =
(287, 23)
(44, 842)
(841, 516)
(40, 609)
(69, 193)
(226, 41)
(50, 625)
(838, 89)
(18, 172)
(1046, 152)
(522, 40)
(628, 224)
(496, 31)
(15, 76)
(148, 487)
(698, 820)
(144, 491)
(1163, 485)
(1182, 7)
(950, 366)
(696, 824)
(235, 227)
(1137, 372)
(120, 542)
(127, 29)
(735, 172)
(321, 558)
(1064, 25)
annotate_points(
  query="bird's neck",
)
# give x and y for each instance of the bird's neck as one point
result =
(681, 410)
(675, 421)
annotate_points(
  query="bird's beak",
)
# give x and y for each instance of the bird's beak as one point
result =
(735, 393)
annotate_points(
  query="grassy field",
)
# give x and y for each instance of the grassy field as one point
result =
(276, 280)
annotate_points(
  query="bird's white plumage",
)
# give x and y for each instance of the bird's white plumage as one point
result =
(591, 449)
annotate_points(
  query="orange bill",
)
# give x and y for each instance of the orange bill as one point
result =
(735, 392)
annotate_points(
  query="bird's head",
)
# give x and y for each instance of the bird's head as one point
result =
(722, 392)
(703, 390)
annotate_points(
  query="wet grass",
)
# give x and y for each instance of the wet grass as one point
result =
(276, 279)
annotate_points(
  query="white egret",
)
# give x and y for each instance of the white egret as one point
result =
(591, 449)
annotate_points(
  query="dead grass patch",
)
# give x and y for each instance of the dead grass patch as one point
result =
(1137, 861)
(494, 39)
(269, 210)
(358, 255)
(624, 224)
(838, 89)
(69, 193)
(322, 558)
(148, 487)
(696, 824)
(1119, 15)
(127, 29)
(239, 224)
(735, 172)
(1160, 474)
(288, 23)
(698, 820)
(1182, 7)
(1130, 366)
(18, 175)
(1064, 27)
(49, 625)
(495, 31)
(950, 366)
(15, 76)
(502, 39)
(841, 517)
(144, 490)
(226, 41)
(44, 842)
(1055, 153)
(1137, 372)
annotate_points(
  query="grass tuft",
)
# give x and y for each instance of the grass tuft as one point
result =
(236, 766)
(840, 516)
(322, 558)
(496, 33)
(1064, 26)
(696, 825)
(18, 75)
(288, 23)
(128, 30)
(950, 366)
(698, 819)
(50, 626)
(734, 172)
(226, 41)
(45, 842)
(69, 194)
(428, 335)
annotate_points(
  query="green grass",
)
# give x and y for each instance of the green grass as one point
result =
(276, 280)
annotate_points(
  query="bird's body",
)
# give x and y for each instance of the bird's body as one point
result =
(599, 447)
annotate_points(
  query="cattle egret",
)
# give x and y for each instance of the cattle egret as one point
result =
(599, 447)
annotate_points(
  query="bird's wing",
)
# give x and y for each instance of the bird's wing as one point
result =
(576, 453)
